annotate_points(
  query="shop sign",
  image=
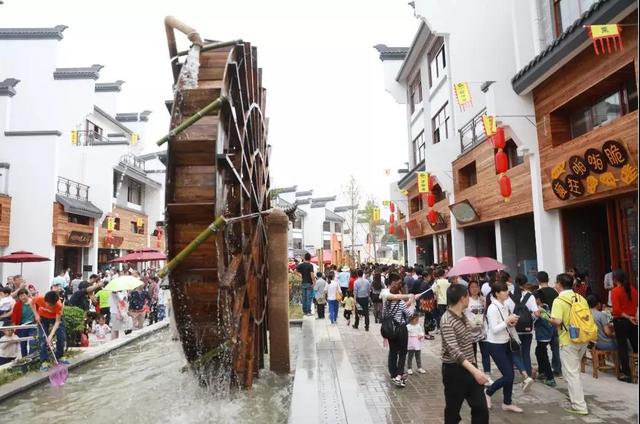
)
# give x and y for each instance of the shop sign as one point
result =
(79, 237)
(115, 241)
(610, 166)
(464, 212)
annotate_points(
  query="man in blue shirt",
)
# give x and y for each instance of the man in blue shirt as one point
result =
(343, 280)
(361, 291)
(308, 278)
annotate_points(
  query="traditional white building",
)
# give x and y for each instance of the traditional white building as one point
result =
(68, 160)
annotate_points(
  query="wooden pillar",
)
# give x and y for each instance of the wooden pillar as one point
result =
(278, 296)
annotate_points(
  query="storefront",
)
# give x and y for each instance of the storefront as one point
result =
(72, 236)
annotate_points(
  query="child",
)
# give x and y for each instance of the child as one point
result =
(416, 335)
(544, 333)
(6, 305)
(101, 329)
(348, 303)
(9, 347)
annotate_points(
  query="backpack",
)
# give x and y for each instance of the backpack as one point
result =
(389, 327)
(544, 329)
(582, 328)
(525, 321)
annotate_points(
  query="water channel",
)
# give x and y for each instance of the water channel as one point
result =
(142, 383)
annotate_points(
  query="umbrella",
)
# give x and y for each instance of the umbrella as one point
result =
(125, 282)
(326, 257)
(144, 255)
(473, 265)
(21, 257)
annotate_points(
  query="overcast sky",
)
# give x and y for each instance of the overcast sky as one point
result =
(329, 114)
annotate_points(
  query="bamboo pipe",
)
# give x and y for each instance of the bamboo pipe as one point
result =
(214, 227)
(208, 47)
(211, 107)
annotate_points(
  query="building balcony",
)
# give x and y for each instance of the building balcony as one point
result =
(472, 133)
(94, 138)
(132, 161)
(72, 189)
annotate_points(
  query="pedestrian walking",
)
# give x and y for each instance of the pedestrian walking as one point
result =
(320, 290)
(502, 341)
(544, 331)
(522, 303)
(396, 311)
(361, 291)
(571, 352)
(348, 304)
(624, 300)
(475, 316)
(547, 296)
(332, 289)
(440, 287)
(343, 280)
(461, 377)
(376, 288)
(308, 278)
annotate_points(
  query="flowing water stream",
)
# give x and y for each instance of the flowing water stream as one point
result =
(142, 383)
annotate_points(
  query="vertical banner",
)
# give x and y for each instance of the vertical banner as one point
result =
(74, 137)
(463, 94)
(423, 182)
(134, 139)
(605, 33)
(376, 214)
(490, 124)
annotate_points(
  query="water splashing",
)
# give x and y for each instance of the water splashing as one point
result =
(188, 78)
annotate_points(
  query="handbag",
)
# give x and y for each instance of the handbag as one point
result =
(514, 345)
(339, 295)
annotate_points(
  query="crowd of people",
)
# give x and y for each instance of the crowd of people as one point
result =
(107, 314)
(493, 313)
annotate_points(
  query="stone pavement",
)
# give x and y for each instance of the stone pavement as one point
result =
(422, 401)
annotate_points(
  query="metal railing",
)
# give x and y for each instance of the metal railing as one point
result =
(131, 160)
(73, 189)
(89, 138)
(472, 133)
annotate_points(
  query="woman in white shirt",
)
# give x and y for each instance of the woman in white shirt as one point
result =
(332, 288)
(475, 315)
(499, 330)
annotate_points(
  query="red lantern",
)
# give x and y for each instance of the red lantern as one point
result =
(392, 207)
(392, 229)
(431, 199)
(498, 139)
(431, 179)
(392, 218)
(505, 187)
(432, 216)
(502, 162)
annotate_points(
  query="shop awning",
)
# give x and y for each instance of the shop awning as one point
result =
(79, 207)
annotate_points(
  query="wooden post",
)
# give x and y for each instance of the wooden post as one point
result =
(278, 296)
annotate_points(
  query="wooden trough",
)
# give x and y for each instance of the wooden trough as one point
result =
(219, 166)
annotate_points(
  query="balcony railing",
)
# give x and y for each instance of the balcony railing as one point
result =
(73, 189)
(131, 160)
(472, 133)
(90, 138)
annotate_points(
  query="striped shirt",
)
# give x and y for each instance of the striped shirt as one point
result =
(457, 340)
(398, 308)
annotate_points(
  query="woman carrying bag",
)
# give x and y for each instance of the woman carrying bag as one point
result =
(502, 341)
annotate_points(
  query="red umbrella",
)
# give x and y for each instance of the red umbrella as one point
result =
(326, 257)
(21, 257)
(144, 255)
(472, 265)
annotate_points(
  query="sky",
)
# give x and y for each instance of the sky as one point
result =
(330, 116)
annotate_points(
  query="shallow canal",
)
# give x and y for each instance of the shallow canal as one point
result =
(142, 383)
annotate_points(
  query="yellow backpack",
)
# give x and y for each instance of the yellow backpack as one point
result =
(582, 328)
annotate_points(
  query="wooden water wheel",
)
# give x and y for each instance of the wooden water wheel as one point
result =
(220, 166)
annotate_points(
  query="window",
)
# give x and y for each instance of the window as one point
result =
(326, 244)
(415, 93)
(297, 224)
(116, 224)
(601, 113)
(337, 227)
(79, 219)
(418, 148)
(297, 243)
(440, 125)
(511, 150)
(116, 181)
(134, 193)
(566, 12)
(326, 226)
(94, 132)
(437, 65)
(467, 176)
(437, 192)
(137, 229)
(415, 205)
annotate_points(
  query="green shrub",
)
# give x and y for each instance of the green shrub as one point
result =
(295, 288)
(73, 324)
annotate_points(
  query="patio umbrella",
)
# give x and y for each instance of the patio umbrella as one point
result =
(144, 255)
(22, 256)
(472, 265)
(126, 282)
(326, 258)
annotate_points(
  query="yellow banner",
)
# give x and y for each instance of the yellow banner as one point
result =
(385, 203)
(423, 182)
(376, 214)
(490, 124)
(139, 222)
(404, 192)
(110, 223)
(601, 31)
(74, 137)
(134, 139)
(463, 95)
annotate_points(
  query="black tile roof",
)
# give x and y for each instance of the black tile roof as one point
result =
(54, 33)
(391, 53)
(8, 87)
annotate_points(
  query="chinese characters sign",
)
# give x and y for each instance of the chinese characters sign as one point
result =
(582, 175)
(463, 94)
(608, 35)
(423, 182)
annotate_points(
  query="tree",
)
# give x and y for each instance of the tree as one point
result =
(351, 191)
(366, 216)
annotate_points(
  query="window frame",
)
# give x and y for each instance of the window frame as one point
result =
(589, 111)
(415, 88)
(324, 245)
(421, 148)
(438, 70)
(436, 136)
(337, 227)
(132, 187)
(326, 226)
(464, 175)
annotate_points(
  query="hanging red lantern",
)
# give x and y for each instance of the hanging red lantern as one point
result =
(431, 182)
(391, 218)
(392, 228)
(502, 162)
(499, 141)
(431, 199)
(505, 187)
(392, 207)
(432, 216)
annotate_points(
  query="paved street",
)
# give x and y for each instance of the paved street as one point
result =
(422, 401)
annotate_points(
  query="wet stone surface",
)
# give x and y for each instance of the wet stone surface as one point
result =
(422, 400)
